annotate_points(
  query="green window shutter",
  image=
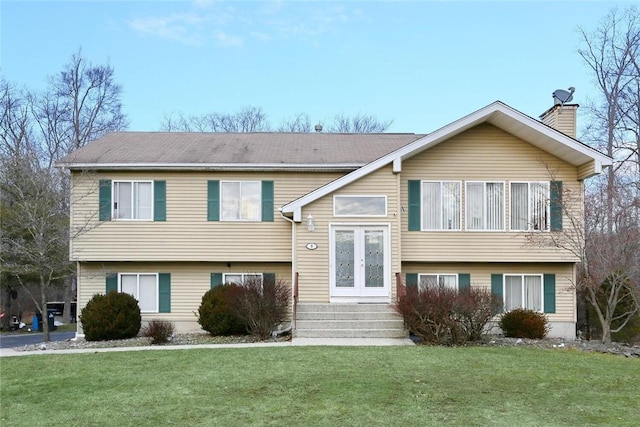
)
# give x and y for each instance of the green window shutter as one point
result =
(213, 200)
(269, 278)
(216, 279)
(164, 292)
(411, 280)
(549, 293)
(267, 200)
(159, 200)
(111, 283)
(414, 205)
(556, 205)
(464, 281)
(496, 286)
(104, 197)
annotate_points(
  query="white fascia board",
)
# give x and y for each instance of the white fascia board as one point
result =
(480, 116)
(211, 166)
(550, 132)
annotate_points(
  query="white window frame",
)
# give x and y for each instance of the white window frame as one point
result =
(529, 206)
(157, 299)
(438, 276)
(485, 205)
(523, 298)
(241, 182)
(115, 198)
(243, 277)
(339, 196)
(422, 205)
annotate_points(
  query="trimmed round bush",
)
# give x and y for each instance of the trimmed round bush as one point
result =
(113, 316)
(216, 311)
(523, 323)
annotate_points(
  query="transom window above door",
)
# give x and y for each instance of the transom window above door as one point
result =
(133, 200)
(240, 200)
(364, 206)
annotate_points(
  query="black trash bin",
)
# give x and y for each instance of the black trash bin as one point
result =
(51, 319)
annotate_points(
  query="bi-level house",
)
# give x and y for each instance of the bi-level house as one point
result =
(342, 217)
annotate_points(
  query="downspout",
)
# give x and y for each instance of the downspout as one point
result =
(293, 274)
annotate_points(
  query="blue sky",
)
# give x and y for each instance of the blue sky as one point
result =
(421, 64)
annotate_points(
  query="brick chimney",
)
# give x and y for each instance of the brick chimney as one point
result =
(561, 117)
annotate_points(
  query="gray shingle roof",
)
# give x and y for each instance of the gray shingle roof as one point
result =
(274, 149)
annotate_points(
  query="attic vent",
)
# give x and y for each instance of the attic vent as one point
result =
(318, 127)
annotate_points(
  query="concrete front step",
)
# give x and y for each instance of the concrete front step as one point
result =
(350, 324)
(347, 315)
(350, 333)
(348, 321)
(336, 308)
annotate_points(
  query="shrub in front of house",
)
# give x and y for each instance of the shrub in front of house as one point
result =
(262, 305)
(160, 331)
(216, 313)
(112, 316)
(444, 316)
(523, 323)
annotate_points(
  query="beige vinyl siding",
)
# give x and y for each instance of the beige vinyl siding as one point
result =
(186, 235)
(484, 153)
(563, 119)
(481, 278)
(313, 265)
(189, 282)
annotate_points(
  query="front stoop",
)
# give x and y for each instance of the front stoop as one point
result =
(348, 321)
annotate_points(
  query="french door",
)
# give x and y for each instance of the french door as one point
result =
(360, 263)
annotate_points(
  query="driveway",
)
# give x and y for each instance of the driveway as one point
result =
(19, 340)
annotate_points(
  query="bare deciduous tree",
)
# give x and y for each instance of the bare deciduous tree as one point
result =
(81, 104)
(360, 123)
(299, 123)
(611, 52)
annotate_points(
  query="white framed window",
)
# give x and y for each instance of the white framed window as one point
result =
(484, 205)
(143, 287)
(240, 278)
(241, 201)
(367, 206)
(530, 208)
(523, 291)
(432, 281)
(133, 200)
(441, 205)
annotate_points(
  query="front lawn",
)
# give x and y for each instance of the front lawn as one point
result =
(303, 386)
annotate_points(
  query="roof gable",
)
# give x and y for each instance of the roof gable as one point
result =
(498, 114)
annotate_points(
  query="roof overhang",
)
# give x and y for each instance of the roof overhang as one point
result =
(277, 167)
(589, 161)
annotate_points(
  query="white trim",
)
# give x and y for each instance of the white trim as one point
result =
(242, 276)
(492, 113)
(422, 182)
(522, 275)
(241, 181)
(385, 294)
(325, 167)
(457, 287)
(504, 205)
(132, 182)
(547, 206)
(360, 196)
(157, 301)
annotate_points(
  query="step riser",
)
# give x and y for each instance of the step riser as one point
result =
(347, 316)
(350, 333)
(349, 324)
(337, 308)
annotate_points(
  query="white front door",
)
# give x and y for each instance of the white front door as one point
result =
(360, 263)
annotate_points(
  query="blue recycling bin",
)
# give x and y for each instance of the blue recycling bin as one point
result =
(35, 322)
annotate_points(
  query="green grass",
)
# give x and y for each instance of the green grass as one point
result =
(303, 386)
